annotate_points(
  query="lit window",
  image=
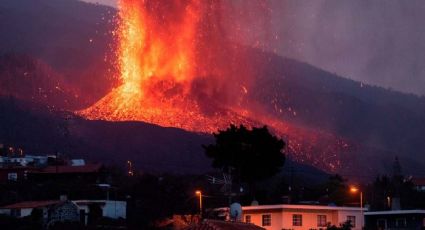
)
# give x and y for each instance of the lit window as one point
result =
(248, 219)
(401, 222)
(267, 220)
(352, 220)
(297, 220)
(321, 221)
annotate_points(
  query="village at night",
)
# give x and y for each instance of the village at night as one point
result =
(212, 114)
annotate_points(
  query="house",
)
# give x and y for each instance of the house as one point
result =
(419, 183)
(88, 172)
(8, 174)
(223, 225)
(395, 219)
(50, 211)
(64, 209)
(25, 208)
(288, 216)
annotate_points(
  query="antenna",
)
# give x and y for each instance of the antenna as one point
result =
(226, 182)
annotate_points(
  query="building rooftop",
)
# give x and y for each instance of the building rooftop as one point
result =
(395, 212)
(418, 181)
(223, 225)
(31, 204)
(298, 206)
(88, 168)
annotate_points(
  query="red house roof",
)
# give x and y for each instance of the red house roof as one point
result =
(89, 168)
(223, 225)
(31, 204)
(419, 181)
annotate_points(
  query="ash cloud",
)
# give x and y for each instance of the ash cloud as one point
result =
(377, 42)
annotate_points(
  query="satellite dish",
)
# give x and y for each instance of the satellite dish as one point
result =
(236, 212)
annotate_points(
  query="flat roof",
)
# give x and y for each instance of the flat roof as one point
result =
(302, 206)
(395, 212)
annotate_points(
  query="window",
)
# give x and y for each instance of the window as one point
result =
(400, 222)
(248, 219)
(352, 220)
(321, 221)
(297, 220)
(267, 220)
(12, 176)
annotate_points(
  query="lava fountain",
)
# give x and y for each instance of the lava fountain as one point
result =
(177, 69)
(165, 65)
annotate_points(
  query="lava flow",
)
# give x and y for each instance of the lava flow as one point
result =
(159, 61)
(176, 69)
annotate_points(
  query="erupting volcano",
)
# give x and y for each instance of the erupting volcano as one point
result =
(167, 69)
(178, 69)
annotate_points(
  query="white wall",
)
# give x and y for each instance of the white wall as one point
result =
(26, 212)
(115, 209)
(342, 217)
(256, 218)
(309, 218)
(5, 211)
(112, 209)
(282, 218)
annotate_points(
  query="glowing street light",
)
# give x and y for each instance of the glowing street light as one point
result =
(354, 189)
(199, 193)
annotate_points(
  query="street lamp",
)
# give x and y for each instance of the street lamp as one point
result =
(354, 189)
(199, 193)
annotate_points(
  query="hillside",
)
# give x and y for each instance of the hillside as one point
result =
(72, 37)
(151, 148)
(335, 120)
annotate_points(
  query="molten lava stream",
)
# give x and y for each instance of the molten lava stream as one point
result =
(156, 56)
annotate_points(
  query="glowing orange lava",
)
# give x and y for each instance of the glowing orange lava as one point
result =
(156, 55)
(172, 68)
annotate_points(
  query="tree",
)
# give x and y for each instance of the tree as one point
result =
(343, 226)
(250, 155)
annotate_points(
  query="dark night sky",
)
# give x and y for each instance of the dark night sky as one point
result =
(374, 41)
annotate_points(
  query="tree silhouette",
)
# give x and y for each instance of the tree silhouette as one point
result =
(250, 155)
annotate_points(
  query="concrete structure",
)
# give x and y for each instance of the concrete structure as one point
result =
(222, 225)
(395, 219)
(63, 209)
(286, 216)
(18, 173)
(25, 208)
(27, 160)
(50, 211)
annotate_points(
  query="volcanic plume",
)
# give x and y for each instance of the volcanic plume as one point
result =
(177, 68)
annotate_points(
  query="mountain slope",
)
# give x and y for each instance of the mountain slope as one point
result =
(335, 120)
(72, 37)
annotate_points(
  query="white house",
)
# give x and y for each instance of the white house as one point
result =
(110, 208)
(294, 217)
